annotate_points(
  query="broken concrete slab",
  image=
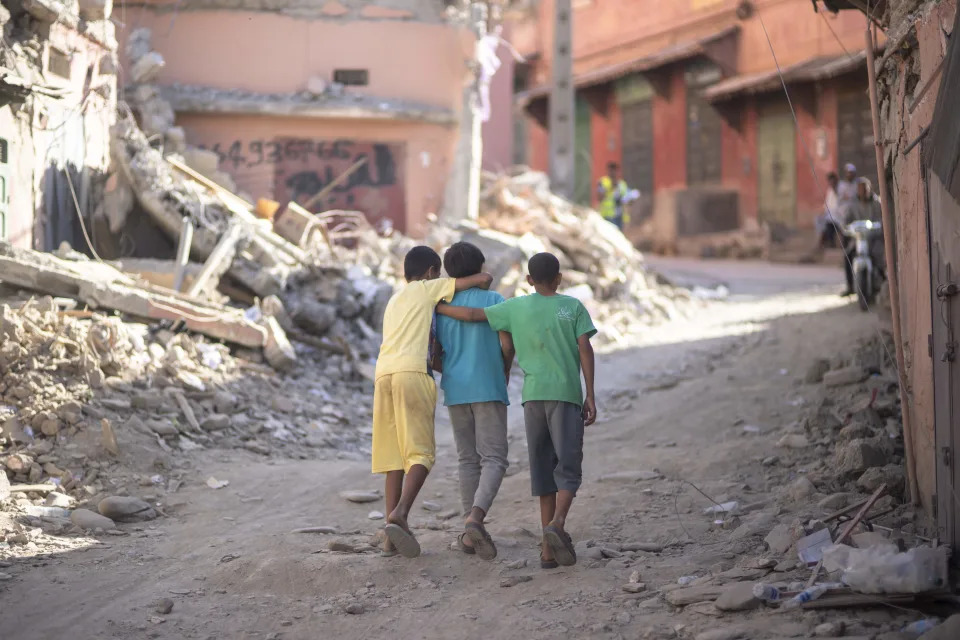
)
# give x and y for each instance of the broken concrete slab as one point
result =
(693, 595)
(738, 597)
(99, 285)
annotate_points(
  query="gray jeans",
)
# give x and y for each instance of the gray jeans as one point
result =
(480, 431)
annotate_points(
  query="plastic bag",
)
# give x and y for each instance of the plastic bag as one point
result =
(883, 569)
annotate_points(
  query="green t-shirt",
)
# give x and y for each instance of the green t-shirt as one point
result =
(545, 331)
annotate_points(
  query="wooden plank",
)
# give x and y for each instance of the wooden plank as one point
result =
(848, 529)
(183, 254)
(218, 262)
(320, 195)
(828, 601)
(187, 410)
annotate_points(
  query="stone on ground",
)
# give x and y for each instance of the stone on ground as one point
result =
(126, 509)
(88, 520)
(360, 496)
(738, 597)
(781, 538)
(857, 456)
(816, 371)
(844, 377)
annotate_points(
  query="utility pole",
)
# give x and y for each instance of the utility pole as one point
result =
(561, 120)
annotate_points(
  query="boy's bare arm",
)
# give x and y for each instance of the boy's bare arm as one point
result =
(587, 362)
(464, 314)
(479, 280)
(506, 347)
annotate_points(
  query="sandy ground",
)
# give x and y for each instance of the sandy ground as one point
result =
(676, 403)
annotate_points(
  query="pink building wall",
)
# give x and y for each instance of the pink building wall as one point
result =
(266, 53)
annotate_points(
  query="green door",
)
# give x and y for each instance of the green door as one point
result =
(583, 167)
(777, 165)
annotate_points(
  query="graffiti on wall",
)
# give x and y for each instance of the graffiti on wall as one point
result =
(302, 167)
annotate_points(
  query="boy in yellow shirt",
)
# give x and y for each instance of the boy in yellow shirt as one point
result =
(405, 395)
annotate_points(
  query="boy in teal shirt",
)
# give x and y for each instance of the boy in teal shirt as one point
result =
(551, 335)
(475, 392)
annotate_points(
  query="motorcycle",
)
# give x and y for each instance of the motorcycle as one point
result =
(868, 273)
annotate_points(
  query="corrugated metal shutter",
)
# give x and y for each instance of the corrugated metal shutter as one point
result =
(855, 134)
(704, 127)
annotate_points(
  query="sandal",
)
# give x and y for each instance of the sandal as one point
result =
(544, 563)
(561, 544)
(403, 540)
(482, 542)
(467, 550)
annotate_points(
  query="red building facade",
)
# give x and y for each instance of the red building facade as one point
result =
(686, 97)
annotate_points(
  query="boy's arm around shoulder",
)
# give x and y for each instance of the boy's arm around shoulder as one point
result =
(479, 280)
(464, 314)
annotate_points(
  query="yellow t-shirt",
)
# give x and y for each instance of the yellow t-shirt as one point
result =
(406, 325)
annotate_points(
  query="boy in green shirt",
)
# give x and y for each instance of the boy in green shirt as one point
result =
(551, 335)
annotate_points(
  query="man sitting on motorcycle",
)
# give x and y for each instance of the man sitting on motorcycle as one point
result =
(865, 207)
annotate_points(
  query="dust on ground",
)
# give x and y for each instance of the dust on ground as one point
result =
(676, 405)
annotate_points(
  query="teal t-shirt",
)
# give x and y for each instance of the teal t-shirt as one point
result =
(472, 360)
(545, 331)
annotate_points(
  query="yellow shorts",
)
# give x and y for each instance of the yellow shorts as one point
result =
(404, 405)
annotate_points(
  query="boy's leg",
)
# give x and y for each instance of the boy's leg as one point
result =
(465, 437)
(491, 443)
(543, 460)
(394, 487)
(565, 423)
(415, 398)
(385, 454)
(490, 419)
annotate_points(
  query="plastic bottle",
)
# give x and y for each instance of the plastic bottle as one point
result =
(766, 592)
(807, 595)
(920, 627)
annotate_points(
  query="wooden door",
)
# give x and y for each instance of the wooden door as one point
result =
(777, 165)
(583, 164)
(944, 221)
(704, 127)
(635, 97)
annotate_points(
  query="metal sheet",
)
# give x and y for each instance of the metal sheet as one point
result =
(777, 165)
(944, 216)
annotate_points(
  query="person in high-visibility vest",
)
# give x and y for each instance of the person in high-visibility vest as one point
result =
(613, 193)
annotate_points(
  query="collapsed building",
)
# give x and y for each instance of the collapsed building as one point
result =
(58, 97)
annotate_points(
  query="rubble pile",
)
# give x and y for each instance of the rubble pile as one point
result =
(520, 216)
(89, 402)
(839, 532)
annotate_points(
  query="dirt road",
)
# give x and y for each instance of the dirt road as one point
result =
(676, 404)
